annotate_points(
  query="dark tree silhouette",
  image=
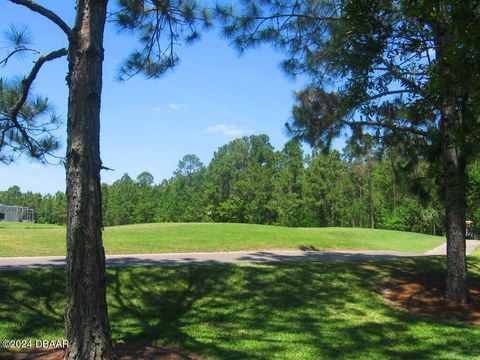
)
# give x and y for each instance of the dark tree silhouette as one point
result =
(161, 26)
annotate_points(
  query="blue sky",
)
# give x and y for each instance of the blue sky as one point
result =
(212, 97)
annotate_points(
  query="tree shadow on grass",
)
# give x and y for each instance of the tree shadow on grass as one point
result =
(308, 310)
(31, 303)
(153, 305)
(295, 310)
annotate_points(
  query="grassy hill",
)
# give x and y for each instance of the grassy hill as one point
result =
(18, 239)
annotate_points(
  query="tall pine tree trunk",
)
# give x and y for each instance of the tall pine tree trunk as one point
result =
(454, 195)
(453, 166)
(371, 203)
(86, 318)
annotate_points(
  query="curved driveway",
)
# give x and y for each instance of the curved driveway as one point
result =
(15, 263)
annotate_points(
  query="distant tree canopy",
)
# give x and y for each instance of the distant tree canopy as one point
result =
(248, 181)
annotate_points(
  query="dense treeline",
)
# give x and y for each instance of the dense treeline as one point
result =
(50, 209)
(247, 181)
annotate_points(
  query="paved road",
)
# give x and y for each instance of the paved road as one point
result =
(15, 263)
(471, 245)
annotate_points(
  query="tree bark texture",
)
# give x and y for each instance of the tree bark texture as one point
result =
(454, 195)
(86, 316)
(457, 288)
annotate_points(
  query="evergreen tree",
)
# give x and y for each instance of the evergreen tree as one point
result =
(27, 122)
(330, 189)
(325, 189)
(289, 192)
(473, 193)
(240, 181)
(407, 68)
(187, 189)
(160, 26)
(146, 201)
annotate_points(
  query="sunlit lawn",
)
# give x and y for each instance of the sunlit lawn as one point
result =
(329, 310)
(38, 239)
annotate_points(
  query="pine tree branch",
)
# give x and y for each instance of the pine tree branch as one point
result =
(46, 13)
(386, 126)
(299, 16)
(26, 84)
(18, 50)
(388, 93)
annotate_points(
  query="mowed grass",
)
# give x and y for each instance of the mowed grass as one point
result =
(327, 310)
(41, 240)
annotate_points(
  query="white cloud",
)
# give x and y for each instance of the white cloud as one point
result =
(227, 130)
(175, 106)
(171, 106)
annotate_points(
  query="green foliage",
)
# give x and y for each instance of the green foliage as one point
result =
(247, 181)
(240, 179)
(119, 202)
(182, 197)
(290, 196)
(50, 209)
(160, 26)
(32, 130)
(402, 72)
(27, 121)
(330, 190)
(473, 194)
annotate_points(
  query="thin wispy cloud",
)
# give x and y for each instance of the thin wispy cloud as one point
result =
(172, 106)
(176, 106)
(226, 129)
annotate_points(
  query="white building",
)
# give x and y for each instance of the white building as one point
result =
(16, 213)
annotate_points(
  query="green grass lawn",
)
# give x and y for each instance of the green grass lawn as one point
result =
(329, 310)
(38, 240)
